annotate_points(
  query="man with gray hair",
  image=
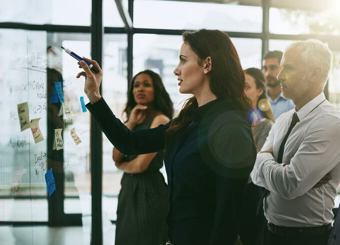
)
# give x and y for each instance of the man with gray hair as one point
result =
(301, 149)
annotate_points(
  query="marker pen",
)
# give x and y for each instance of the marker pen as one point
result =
(77, 57)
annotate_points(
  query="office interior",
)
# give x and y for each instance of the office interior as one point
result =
(125, 36)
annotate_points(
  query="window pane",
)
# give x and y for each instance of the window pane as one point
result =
(58, 12)
(288, 21)
(76, 122)
(176, 15)
(47, 12)
(22, 161)
(249, 51)
(280, 45)
(115, 93)
(160, 54)
(111, 16)
(333, 83)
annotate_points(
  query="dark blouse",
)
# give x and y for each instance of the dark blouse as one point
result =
(208, 164)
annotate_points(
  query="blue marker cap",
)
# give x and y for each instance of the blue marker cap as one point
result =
(82, 103)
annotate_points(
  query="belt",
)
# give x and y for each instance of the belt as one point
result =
(291, 231)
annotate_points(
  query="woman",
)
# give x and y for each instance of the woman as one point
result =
(142, 202)
(209, 150)
(261, 115)
(261, 118)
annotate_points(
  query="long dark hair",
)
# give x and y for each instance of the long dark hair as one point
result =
(162, 101)
(262, 103)
(226, 75)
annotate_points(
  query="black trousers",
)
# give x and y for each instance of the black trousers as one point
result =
(289, 236)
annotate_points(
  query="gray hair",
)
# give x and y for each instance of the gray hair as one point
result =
(316, 54)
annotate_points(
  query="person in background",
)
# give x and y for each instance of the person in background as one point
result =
(299, 164)
(261, 118)
(209, 150)
(143, 199)
(271, 68)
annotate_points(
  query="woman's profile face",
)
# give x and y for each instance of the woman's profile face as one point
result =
(143, 90)
(189, 72)
(252, 92)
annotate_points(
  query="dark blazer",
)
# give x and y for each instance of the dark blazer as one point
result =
(207, 163)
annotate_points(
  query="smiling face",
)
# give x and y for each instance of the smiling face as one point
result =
(143, 90)
(190, 73)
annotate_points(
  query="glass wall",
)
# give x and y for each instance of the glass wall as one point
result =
(57, 12)
(156, 39)
(175, 15)
(114, 90)
(23, 126)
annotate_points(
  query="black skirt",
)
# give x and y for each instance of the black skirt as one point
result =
(142, 209)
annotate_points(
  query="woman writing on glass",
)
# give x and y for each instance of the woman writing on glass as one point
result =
(208, 147)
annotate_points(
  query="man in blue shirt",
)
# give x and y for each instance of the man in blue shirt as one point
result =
(271, 68)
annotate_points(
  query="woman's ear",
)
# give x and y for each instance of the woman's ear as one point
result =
(260, 91)
(207, 65)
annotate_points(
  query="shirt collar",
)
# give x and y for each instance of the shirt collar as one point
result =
(280, 97)
(310, 106)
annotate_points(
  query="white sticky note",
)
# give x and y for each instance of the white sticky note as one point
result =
(75, 137)
(23, 116)
(37, 135)
(58, 139)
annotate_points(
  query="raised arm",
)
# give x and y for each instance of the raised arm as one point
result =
(143, 141)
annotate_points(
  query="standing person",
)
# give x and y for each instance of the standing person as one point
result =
(301, 149)
(143, 199)
(261, 119)
(271, 68)
(260, 115)
(209, 151)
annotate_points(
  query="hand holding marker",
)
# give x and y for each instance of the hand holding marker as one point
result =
(77, 57)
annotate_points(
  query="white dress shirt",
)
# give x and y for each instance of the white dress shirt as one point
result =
(311, 151)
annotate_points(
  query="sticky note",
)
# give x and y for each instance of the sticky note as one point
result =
(23, 116)
(59, 91)
(82, 103)
(54, 99)
(75, 137)
(58, 139)
(37, 135)
(50, 182)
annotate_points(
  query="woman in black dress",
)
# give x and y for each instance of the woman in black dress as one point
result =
(143, 199)
(209, 151)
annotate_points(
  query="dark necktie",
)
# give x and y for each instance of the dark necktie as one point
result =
(295, 119)
(264, 192)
